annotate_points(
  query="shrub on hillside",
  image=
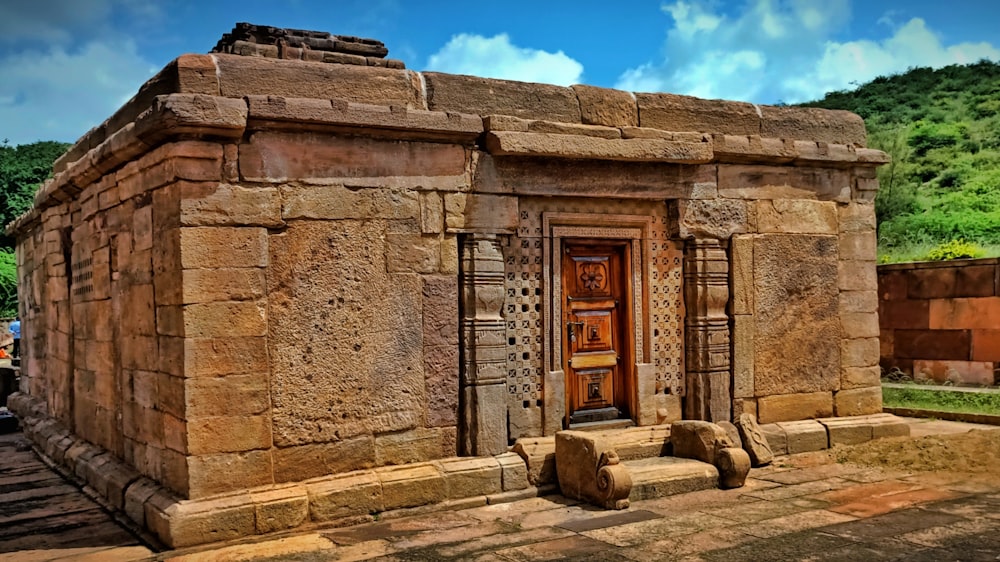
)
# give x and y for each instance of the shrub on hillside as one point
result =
(955, 250)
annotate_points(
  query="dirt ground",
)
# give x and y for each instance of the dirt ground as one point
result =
(976, 452)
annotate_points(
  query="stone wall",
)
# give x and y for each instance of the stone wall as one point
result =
(261, 271)
(941, 320)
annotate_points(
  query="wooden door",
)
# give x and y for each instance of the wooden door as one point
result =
(596, 312)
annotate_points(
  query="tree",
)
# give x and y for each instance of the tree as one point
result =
(22, 169)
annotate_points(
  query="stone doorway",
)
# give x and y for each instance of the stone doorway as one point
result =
(596, 307)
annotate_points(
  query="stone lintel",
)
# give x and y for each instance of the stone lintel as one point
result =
(375, 120)
(561, 145)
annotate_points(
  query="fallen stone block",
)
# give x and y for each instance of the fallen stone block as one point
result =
(753, 441)
(539, 454)
(698, 440)
(804, 436)
(733, 465)
(589, 470)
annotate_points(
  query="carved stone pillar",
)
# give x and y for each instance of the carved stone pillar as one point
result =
(482, 402)
(706, 293)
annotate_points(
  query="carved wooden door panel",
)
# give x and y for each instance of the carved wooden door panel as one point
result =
(595, 312)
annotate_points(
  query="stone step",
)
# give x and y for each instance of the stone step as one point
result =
(657, 477)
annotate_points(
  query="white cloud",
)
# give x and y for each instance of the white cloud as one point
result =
(497, 57)
(784, 51)
(61, 93)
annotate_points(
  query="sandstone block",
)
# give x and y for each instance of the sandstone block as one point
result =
(743, 356)
(860, 324)
(859, 245)
(241, 76)
(468, 477)
(859, 377)
(671, 112)
(489, 212)
(413, 252)
(214, 247)
(796, 308)
(697, 440)
(225, 284)
(302, 462)
(508, 143)
(228, 434)
(226, 472)
(277, 156)
(796, 216)
(788, 407)
(602, 106)
(733, 465)
(417, 445)
(339, 202)
(514, 471)
(280, 509)
(588, 469)
(742, 275)
(411, 485)
(888, 425)
(344, 495)
(858, 301)
(858, 401)
(215, 204)
(822, 125)
(431, 213)
(234, 395)
(179, 523)
(225, 319)
(485, 96)
(860, 352)
(353, 333)
(773, 182)
(853, 275)
(209, 357)
(847, 431)
(135, 498)
(711, 218)
(732, 432)
(755, 443)
(539, 454)
(856, 217)
(804, 436)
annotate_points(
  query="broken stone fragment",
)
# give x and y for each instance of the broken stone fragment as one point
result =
(589, 470)
(754, 442)
(699, 440)
(733, 465)
(732, 432)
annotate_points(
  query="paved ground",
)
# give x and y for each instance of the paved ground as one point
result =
(801, 508)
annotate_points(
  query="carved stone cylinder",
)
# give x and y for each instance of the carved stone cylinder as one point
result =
(706, 294)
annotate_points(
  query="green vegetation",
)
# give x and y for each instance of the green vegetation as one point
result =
(942, 130)
(942, 400)
(22, 169)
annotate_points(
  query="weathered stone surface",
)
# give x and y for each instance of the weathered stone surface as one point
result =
(283, 508)
(242, 76)
(858, 401)
(589, 470)
(773, 182)
(858, 245)
(539, 454)
(733, 465)
(227, 472)
(823, 125)
(214, 204)
(741, 269)
(228, 434)
(302, 462)
(753, 440)
(411, 446)
(858, 301)
(743, 356)
(488, 213)
(859, 324)
(411, 485)
(697, 440)
(796, 300)
(485, 96)
(854, 275)
(796, 216)
(214, 247)
(274, 156)
(507, 143)
(787, 407)
(344, 495)
(847, 431)
(672, 112)
(179, 523)
(342, 323)
(468, 477)
(776, 438)
(602, 106)
(732, 432)
(861, 352)
(514, 471)
(711, 218)
(804, 436)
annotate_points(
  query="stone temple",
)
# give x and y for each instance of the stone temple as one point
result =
(292, 281)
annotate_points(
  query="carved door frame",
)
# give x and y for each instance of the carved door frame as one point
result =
(557, 227)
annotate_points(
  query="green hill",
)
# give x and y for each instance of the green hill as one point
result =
(942, 129)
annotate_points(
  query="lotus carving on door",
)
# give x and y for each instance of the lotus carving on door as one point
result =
(594, 276)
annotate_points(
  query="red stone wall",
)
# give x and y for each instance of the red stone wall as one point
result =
(941, 321)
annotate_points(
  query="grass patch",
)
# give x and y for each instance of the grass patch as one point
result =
(918, 251)
(942, 400)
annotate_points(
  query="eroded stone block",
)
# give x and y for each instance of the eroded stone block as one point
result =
(755, 443)
(590, 470)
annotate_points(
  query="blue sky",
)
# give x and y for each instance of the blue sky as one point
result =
(65, 65)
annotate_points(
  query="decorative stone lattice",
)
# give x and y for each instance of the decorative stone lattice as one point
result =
(523, 283)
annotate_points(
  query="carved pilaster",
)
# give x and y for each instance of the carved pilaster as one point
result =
(706, 293)
(483, 346)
